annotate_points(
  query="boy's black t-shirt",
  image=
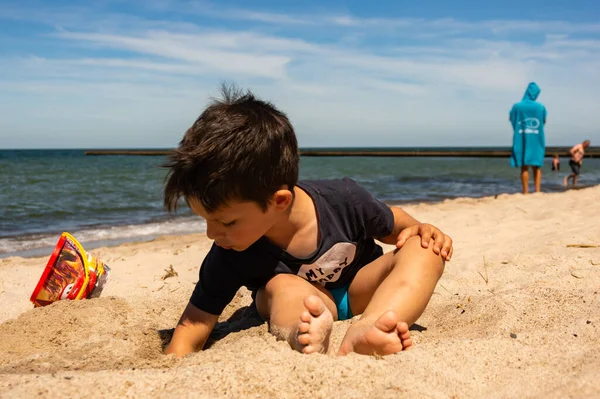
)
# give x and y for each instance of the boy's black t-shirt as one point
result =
(349, 218)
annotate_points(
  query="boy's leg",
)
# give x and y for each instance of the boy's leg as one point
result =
(525, 179)
(537, 177)
(299, 312)
(391, 293)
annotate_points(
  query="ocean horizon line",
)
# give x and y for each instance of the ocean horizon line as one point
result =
(431, 151)
(478, 147)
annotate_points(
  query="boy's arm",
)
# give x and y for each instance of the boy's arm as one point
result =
(192, 331)
(402, 220)
(405, 226)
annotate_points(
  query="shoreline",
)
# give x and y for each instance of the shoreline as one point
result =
(41, 251)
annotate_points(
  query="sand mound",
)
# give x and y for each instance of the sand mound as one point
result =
(96, 334)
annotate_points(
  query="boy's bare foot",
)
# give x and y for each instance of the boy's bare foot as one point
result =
(385, 336)
(315, 326)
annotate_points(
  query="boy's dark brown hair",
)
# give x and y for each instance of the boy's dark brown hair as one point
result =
(240, 148)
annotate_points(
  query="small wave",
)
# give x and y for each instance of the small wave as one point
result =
(27, 244)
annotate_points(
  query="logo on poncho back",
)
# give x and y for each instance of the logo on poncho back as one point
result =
(529, 126)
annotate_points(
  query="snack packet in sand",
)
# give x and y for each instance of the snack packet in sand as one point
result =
(71, 273)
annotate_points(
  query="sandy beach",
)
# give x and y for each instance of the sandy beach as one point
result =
(516, 314)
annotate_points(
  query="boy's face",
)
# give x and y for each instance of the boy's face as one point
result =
(239, 224)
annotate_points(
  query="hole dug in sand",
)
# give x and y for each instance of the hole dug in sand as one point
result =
(95, 334)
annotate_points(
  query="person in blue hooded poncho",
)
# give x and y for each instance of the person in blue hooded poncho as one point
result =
(528, 118)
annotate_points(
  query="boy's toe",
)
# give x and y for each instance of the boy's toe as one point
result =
(386, 322)
(314, 305)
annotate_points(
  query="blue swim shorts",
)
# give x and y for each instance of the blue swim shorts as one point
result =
(342, 302)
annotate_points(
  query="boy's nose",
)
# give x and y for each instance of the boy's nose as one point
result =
(213, 232)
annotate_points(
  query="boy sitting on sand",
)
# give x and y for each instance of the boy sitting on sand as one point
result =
(305, 249)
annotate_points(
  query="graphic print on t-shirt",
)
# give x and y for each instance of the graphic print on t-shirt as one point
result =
(328, 268)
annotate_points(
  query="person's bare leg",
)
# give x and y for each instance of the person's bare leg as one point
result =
(537, 177)
(566, 181)
(575, 177)
(298, 312)
(391, 293)
(525, 179)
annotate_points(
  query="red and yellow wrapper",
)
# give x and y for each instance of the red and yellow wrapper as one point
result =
(71, 273)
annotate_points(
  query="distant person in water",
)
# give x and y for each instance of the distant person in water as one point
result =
(577, 153)
(556, 163)
(528, 118)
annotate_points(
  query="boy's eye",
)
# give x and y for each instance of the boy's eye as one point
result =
(229, 224)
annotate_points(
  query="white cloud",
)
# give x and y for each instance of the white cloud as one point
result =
(195, 50)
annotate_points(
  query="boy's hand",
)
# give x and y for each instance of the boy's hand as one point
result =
(192, 331)
(442, 244)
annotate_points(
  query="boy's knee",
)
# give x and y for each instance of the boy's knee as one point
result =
(275, 287)
(414, 244)
(280, 282)
(412, 250)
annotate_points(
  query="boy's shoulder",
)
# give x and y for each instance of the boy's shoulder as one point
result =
(347, 205)
(333, 187)
(341, 194)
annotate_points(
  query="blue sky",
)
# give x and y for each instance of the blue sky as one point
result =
(89, 74)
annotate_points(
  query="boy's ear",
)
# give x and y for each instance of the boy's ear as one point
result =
(282, 199)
